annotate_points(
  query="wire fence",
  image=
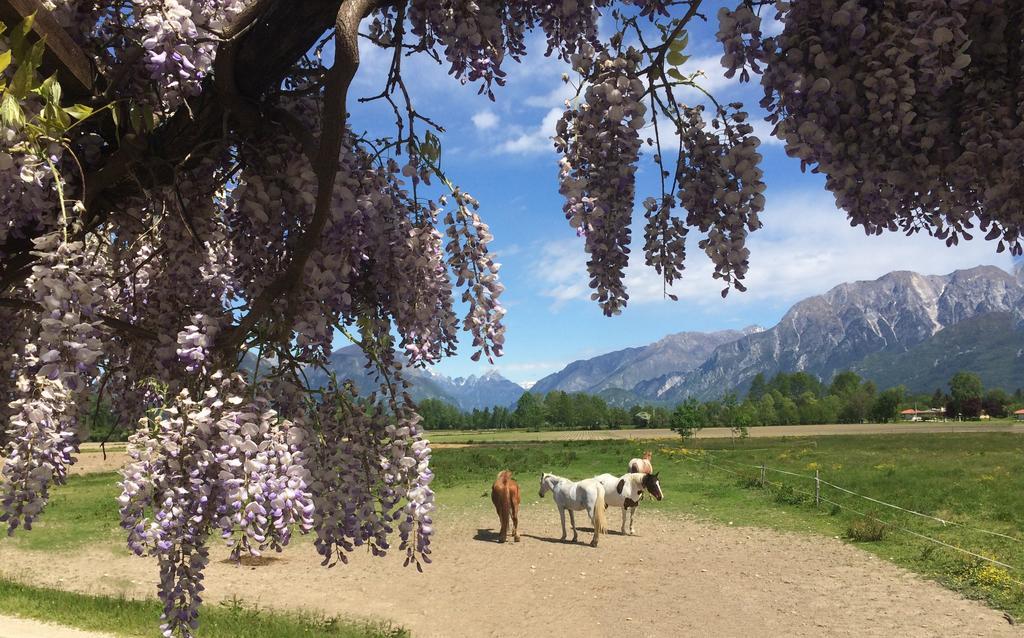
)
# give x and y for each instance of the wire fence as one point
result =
(818, 498)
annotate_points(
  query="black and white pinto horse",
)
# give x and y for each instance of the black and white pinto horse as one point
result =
(625, 492)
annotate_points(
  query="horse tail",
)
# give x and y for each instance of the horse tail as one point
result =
(504, 476)
(599, 505)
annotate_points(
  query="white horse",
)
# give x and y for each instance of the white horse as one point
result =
(625, 492)
(587, 494)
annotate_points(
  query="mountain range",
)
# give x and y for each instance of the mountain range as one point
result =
(869, 326)
(469, 393)
(902, 328)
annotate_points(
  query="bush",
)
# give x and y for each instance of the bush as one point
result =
(866, 529)
(749, 482)
(787, 495)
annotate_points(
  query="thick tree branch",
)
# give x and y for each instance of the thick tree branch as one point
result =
(266, 40)
(325, 164)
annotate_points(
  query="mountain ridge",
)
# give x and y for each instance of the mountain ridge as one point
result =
(900, 327)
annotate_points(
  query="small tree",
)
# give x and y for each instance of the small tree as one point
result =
(965, 391)
(529, 411)
(887, 405)
(688, 418)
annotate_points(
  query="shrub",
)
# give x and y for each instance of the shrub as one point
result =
(749, 482)
(787, 495)
(866, 529)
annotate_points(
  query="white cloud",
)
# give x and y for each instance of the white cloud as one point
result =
(763, 131)
(555, 97)
(714, 79)
(485, 120)
(805, 248)
(770, 26)
(537, 140)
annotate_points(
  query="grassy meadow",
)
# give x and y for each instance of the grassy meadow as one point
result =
(975, 480)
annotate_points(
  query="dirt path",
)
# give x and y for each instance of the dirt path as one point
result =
(769, 431)
(678, 577)
(11, 627)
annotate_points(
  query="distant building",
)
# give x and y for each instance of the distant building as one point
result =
(1019, 414)
(931, 414)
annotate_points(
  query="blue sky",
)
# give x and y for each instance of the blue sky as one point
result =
(501, 152)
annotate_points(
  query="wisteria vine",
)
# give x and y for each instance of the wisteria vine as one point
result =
(184, 231)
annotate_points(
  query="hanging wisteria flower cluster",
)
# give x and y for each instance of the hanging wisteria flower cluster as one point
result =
(911, 110)
(600, 143)
(188, 219)
(361, 503)
(58, 361)
(217, 463)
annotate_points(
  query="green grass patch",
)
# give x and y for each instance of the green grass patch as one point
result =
(124, 617)
(81, 513)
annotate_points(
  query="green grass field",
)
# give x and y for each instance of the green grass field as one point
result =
(974, 479)
(137, 618)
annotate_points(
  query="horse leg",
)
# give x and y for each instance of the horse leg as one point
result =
(572, 519)
(503, 534)
(632, 514)
(515, 521)
(561, 512)
(593, 518)
(624, 520)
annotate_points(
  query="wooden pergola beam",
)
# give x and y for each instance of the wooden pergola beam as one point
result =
(73, 67)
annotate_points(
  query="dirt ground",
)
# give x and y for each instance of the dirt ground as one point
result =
(23, 628)
(676, 577)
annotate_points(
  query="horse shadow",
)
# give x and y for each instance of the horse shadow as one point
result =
(486, 536)
(491, 536)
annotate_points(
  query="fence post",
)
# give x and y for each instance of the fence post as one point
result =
(817, 489)
(762, 475)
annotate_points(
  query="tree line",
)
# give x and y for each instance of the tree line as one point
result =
(788, 398)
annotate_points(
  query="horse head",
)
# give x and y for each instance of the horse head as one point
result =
(544, 487)
(647, 455)
(652, 485)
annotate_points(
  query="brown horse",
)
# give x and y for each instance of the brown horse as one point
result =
(505, 496)
(642, 465)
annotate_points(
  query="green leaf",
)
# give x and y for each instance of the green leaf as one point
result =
(10, 112)
(679, 44)
(135, 118)
(676, 59)
(22, 81)
(676, 75)
(79, 111)
(19, 34)
(49, 90)
(148, 118)
(5, 60)
(35, 54)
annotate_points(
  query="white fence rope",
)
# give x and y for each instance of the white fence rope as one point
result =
(706, 461)
(879, 502)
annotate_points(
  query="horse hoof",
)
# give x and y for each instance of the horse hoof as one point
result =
(517, 539)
